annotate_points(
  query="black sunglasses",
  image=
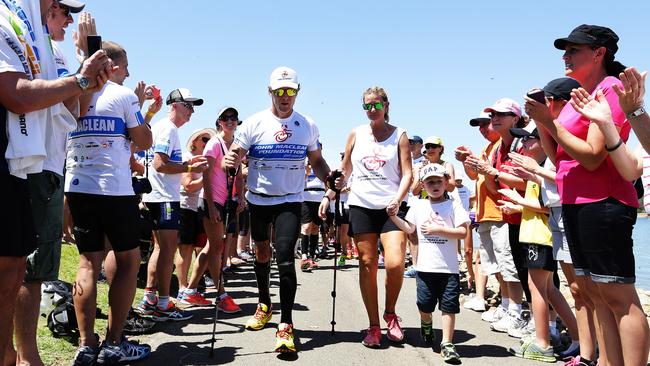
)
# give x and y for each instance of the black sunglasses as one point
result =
(66, 10)
(205, 139)
(231, 117)
(502, 114)
(431, 146)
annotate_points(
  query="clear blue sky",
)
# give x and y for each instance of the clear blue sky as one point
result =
(441, 64)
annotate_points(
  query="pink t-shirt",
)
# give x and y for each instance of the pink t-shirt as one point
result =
(215, 148)
(576, 184)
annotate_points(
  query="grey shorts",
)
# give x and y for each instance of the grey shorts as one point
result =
(495, 251)
(46, 190)
(560, 245)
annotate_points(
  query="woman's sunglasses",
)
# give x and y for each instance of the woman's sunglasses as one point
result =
(369, 106)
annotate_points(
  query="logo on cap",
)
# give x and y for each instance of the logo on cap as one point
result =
(285, 74)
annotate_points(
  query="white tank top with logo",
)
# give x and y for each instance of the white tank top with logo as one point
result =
(376, 169)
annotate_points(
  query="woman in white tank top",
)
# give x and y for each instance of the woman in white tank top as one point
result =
(378, 154)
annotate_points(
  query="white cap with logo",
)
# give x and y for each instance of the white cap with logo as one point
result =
(284, 77)
(432, 170)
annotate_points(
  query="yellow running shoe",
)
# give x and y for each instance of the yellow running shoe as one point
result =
(262, 316)
(284, 339)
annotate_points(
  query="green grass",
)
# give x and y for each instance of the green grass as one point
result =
(60, 351)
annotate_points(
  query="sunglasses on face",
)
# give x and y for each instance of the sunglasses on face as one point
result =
(205, 139)
(65, 9)
(502, 114)
(413, 142)
(377, 105)
(431, 146)
(282, 92)
(188, 105)
(529, 137)
(231, 118)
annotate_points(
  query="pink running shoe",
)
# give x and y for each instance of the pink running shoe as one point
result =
(373, 337)
(395, 332)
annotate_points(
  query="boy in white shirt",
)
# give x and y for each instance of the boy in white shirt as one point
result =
(439, 222)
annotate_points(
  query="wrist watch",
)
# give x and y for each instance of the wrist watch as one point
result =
(496, 177)
(82, 81)
(639, 111)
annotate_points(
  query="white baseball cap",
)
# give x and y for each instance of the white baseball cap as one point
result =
(433, 170)
(284, 77)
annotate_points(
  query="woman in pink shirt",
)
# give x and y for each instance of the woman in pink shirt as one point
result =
(598, 205)
(212, 208)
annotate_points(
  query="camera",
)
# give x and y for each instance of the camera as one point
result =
(141, 185)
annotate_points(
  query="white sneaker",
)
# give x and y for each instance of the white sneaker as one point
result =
(502, 325)
(494, 314)
(518, 327)
(475, 303)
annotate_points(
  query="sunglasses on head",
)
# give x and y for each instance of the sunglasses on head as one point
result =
(431, 146)
(502, 114)
(377, 105)
(205, 139)
(281, 92)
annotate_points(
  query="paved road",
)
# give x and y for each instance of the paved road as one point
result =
(188, 343)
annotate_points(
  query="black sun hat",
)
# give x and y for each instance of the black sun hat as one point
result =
(593, 35)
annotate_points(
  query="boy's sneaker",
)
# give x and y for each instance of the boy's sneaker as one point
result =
(410, 272)
(284, 339)
(145, 308)
(209, 282)
(494, 314)
(305, 265)
(262, 316)
(426, 330)
(475, 303)
(532, 351)
(170, 313)
(135, 324)
(85, 356)
(228, 305)
(109, 355)
(133, 351)
(395, 332)
(373, 337)
(341, 261)
(449, 354)
(194, 299)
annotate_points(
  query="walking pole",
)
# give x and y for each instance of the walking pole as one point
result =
(337, 222)
(230, 183)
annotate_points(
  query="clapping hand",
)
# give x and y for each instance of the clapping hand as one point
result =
(595, 109)
(631, 96)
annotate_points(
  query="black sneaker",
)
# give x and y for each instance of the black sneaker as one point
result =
(449, 354)
(133, 351)
(135, 324)
(426, 330)
(85, 356)
(109, 355)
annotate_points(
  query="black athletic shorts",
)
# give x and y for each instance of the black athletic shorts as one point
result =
(96, 216)
(285, 218)
(19, 236)
(365, 220)
(191, 231)
(165, 215)
(600, 239)
(539, 257)
(310, 213)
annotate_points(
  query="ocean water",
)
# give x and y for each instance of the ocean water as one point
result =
(641, 235)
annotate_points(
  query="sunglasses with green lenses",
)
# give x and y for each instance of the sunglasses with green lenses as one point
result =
(369, 106)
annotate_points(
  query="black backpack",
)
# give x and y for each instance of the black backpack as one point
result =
(62, 320)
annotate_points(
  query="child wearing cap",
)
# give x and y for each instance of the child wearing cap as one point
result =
(439, 222)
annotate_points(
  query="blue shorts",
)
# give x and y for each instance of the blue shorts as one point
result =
(438, 288)
(165, 215)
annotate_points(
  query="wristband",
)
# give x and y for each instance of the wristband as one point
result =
(328, 197)
(618, 144)
(639, 111)
(150, 114)
(189, 168)
(496, 177)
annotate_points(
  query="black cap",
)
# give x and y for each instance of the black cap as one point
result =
(415, 139)
(522, 132)
(73, 5)
(593, 35)
(181, 95)
(561, 88)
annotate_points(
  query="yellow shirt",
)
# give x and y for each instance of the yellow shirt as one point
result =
(534, 225)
